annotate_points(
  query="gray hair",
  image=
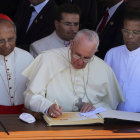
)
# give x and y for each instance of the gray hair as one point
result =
(91, 35)
(11, 22)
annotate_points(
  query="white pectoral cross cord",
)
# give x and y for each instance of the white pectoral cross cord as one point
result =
(79, 103)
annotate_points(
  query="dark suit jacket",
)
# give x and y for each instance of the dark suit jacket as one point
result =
(42, 26)
(111, 35)
(89, 12)
(9, 7)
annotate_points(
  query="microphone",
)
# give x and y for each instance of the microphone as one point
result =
(2, 125)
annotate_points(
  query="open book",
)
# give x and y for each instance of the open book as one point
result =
(76, 118)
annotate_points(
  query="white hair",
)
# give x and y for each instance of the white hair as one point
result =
(91, 35)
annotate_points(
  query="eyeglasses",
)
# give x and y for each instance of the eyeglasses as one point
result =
(70, 24)
(10, 40)
(83, 59)
(133, 32)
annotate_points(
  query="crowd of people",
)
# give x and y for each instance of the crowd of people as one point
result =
(83, 53)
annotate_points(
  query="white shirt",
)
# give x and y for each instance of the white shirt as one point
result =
(12, 83)
(50, 42)
(111, 11)
(126, 65)
(37, 8)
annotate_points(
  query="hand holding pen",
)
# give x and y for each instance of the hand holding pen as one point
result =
(55, 110)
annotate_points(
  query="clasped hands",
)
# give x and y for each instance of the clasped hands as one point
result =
(56, 110)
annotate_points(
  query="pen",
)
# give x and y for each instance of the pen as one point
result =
(56, 103)
(4, 128)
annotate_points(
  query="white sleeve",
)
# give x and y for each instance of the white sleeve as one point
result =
(114, 94)
(36, 102)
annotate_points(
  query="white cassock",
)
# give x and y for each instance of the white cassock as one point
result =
(52, 77)
(12, 82)
(126, 65)
(50, 42)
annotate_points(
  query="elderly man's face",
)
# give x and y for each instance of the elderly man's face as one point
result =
(36, 2)
(67, 28)
(131, 34)
(7, 38)
(82, 51)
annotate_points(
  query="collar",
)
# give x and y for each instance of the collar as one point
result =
(112, 10)
(64, 42)
(40, 6)
(132, 53)
(8, 56)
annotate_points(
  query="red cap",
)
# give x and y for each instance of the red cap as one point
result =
(3, 16)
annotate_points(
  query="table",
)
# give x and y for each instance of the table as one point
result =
(39, 130)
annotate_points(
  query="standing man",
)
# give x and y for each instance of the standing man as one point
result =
(34, 20)
(135, 4)
(9, 8)
(109, 27)
(12, 62)
(125, 61)
(88, 12)
(66, 22)
(74, 76)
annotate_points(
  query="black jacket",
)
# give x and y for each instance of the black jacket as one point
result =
(111, 35)
(42, 26)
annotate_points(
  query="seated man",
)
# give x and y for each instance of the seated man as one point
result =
(125, 61)
(12, 62)
(66, 22)
(74, 76)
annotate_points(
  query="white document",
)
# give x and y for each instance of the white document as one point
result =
(112, 114)
(122, 115)
(92, 113)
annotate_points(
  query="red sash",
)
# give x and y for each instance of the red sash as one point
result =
(17, 109)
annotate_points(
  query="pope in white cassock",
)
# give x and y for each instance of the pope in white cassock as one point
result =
(125, 61)
(12, 62)
(74, 77)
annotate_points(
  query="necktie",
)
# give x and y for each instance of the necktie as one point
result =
(28, 16)
(103, 23)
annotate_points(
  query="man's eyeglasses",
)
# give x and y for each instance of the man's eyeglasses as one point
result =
(83, 59)
(70, 24)
(133, 32)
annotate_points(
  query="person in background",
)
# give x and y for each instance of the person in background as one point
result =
(125, 59)
(34, 20)
(66, 22)
(88, 12)
(74, 77)
(12, 62)
(109, 27)
(133, 4)
(9, 8)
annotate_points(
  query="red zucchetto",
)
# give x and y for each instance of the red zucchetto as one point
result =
(3, 16)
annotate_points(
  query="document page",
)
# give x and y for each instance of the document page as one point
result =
(92, 113)
(123, 115)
